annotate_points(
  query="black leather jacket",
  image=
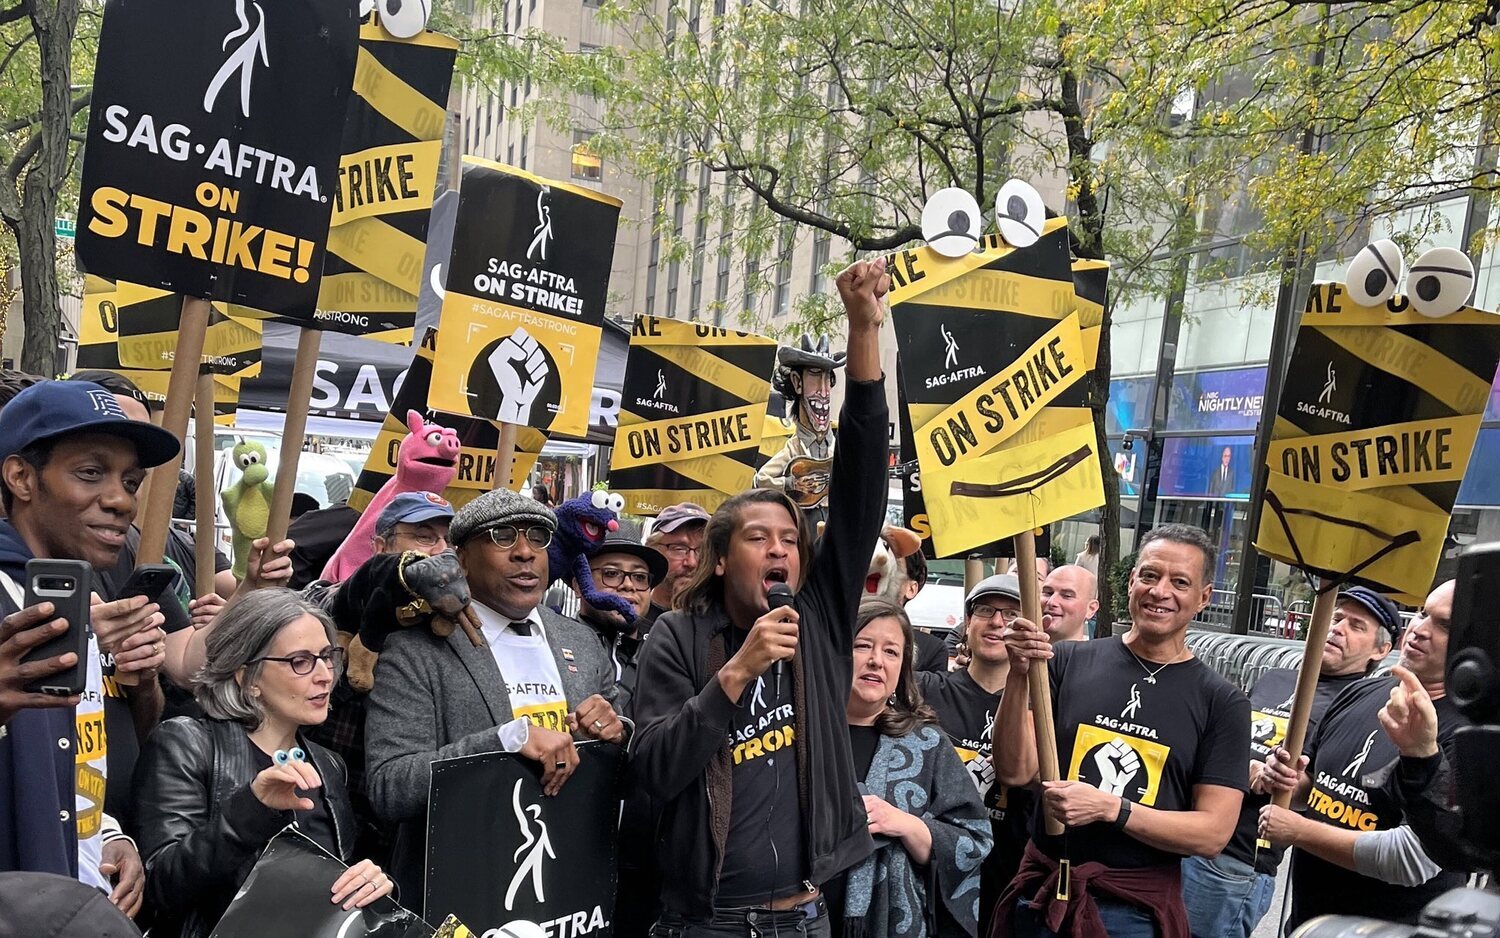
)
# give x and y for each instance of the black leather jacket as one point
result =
(199, 827)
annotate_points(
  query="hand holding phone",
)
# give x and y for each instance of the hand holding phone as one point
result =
(129, 630)
(64, 585)
(21, 634)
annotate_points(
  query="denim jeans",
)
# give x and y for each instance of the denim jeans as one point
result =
(747, 923)
(1120, 919)
(1225, 897)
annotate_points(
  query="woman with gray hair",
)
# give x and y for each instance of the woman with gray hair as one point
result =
(212, 792)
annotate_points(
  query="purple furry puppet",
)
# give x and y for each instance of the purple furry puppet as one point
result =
(582, 523)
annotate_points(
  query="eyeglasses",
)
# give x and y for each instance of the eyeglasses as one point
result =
(986, 611)
(613, 577)
(679, 551)
(303, 662)
(424, 539)
(504, 535)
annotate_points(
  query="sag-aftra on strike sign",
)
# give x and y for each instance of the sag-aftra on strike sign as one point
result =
(213, 148)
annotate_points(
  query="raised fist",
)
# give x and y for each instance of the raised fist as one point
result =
(520, 367)
(1117, 764)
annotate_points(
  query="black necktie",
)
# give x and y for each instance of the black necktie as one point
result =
(522, 628)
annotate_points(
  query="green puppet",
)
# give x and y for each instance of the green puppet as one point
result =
(248, 501)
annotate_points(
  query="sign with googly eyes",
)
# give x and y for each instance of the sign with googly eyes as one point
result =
(997, 333)
(692, 414)
(477, 439)
(1383, 399)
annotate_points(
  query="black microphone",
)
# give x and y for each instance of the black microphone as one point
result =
(779, 595)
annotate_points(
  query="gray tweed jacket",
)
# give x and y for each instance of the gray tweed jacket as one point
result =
(440, 698)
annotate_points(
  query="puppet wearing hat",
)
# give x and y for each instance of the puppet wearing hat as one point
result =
(805, 378)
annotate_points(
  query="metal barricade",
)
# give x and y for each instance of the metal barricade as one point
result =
(1267, 617)
(1243, 659)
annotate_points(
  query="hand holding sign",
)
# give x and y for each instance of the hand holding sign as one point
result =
(520, 368)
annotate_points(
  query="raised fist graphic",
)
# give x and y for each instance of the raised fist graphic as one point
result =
(1117, 764)
(520, 367)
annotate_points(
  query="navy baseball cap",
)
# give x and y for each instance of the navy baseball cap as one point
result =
(55, 409)
(412, 508)
(1384, 611)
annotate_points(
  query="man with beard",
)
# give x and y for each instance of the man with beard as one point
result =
(805, 378)
(677, 534)
(742, 708)
(1354, 854)
(1227, 895)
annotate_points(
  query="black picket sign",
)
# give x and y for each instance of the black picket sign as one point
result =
(502, 856)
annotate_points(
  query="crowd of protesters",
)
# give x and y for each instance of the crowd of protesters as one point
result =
(818, 766)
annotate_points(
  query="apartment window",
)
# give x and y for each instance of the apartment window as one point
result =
(593, 3)
(673, 271)
(523, 151)
(785, 241)
(752, 273)
(822, 245)
(510, 154)
(586, 163)
(651, 267)
(721, 284)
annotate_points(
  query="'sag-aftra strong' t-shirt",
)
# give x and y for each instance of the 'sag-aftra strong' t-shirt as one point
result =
(1349, 747)
(1147, 741)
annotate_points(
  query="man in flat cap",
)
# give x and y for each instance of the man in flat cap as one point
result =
(805, 378)
(541, 680)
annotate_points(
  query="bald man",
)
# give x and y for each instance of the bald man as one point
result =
(1070, 597)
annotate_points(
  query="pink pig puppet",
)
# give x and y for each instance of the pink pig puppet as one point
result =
(427, 462)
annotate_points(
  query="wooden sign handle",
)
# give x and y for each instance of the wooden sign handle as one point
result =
(1037, 681)
(293, 434)
(505, 457)
(206, 504)
(156, 515)
(1307, 677)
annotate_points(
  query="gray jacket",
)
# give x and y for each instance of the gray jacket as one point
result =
(440, 698)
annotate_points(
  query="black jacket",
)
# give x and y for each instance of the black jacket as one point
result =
(680, 754)
(199, 827)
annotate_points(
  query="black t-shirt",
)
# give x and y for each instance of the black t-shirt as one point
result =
(966, 713)
(317, 823)
(863, 741)
(764, 857)
(932, 653)
(1148, 741)
(1349, 746)
(1270, 708)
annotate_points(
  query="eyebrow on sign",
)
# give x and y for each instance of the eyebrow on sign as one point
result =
(1023, 485)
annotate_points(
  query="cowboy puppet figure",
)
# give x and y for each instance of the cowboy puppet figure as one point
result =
(805, 378)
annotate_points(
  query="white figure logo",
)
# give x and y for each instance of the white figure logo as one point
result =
(242, 59)
(758, 699)
(1358, 763)
(950, 360)
(542, 233)
(661, 384)
(1135, 704)
(537, 844)
(1329, 386)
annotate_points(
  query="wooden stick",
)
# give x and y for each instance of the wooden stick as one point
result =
(293, 434)
(973, 573)
(204, 531)
(505, 457)
(156, 516)
(1307, 678)
(1037, 681)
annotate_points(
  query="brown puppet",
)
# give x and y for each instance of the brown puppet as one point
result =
(805, 378)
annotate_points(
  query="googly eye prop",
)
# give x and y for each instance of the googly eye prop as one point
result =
(1439, 283)
(401, 18)
(283, 756)
(951, 220)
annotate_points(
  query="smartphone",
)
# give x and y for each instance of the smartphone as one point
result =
(150, 580)
(66, 584)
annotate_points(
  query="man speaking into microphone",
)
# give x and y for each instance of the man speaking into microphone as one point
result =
(740, 702)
